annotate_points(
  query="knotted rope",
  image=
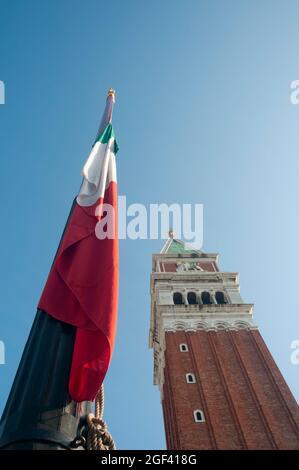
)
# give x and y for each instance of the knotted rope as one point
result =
(98, 436)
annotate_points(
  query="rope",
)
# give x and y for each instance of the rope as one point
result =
(98, 436)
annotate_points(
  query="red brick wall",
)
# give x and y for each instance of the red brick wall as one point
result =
(245, 400)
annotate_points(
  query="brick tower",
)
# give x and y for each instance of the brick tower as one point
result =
(220, 387)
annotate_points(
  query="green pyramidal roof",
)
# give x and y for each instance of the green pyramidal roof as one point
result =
(177, 246)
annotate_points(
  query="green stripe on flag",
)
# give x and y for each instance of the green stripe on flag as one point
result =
(107, 134)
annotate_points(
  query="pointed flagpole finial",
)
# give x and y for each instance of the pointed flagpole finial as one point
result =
(111, 92)
(107, 116)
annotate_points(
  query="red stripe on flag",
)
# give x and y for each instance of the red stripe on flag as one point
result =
(82, 289)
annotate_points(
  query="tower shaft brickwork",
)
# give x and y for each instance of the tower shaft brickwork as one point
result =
(220, 387)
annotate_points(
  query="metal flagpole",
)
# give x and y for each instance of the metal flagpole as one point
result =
(39, 413)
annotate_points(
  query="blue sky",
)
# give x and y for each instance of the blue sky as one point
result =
(203, 115)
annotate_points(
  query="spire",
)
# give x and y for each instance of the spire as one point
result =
(174, 245)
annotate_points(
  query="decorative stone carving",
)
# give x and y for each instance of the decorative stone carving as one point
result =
(186, 267)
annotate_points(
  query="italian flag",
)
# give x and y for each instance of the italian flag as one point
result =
(82, 286)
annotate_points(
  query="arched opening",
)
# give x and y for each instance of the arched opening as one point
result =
(199, 416)
(206, 298)
(183, 347)
(178, 298)
(220, 298)
(192, 299)
(190, 378)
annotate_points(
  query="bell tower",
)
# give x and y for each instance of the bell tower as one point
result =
(220, 387)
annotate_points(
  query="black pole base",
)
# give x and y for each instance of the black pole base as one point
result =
(39, 413)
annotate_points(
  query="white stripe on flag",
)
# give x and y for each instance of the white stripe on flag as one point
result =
(98, 172)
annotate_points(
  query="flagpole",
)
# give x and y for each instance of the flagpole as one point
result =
(39, 413)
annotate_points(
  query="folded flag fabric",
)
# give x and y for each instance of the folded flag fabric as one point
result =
(82, 286)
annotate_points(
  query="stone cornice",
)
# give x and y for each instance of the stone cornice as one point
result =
(199, 309)
(198, 276)
(204, 256)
